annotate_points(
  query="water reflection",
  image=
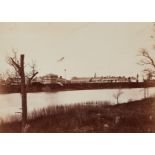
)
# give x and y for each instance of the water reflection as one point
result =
(11, 103)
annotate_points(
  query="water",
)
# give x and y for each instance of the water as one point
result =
(11, 103)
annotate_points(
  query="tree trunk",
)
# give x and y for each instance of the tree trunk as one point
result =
(23, 93)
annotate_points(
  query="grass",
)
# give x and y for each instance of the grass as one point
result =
(134, 116)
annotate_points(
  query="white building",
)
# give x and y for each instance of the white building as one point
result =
(113, 79)
(50, 79)
(107, 79)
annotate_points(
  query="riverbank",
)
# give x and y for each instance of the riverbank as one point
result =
(38, 87)
(136, 116)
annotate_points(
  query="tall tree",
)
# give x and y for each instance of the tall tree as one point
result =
(148, 61)
(19, 66)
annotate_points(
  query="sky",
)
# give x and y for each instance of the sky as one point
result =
(88, 48)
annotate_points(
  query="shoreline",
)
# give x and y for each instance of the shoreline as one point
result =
(134, 116)
(78, 86)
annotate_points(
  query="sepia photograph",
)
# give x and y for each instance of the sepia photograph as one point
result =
(77, 77)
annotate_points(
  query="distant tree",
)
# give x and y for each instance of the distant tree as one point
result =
(117, 95)
(19, 66)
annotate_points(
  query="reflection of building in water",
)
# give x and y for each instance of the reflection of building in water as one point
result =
(107, 79)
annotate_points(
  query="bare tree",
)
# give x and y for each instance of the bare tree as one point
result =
(147, 61)
(31, 75)
(117, 95)
(19, 67)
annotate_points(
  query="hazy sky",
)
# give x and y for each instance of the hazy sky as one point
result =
(104, 48)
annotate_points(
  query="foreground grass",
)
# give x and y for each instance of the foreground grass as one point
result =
(136, 116)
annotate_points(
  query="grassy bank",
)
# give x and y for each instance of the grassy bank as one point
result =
(136, 116)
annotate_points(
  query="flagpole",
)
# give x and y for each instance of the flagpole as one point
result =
(65, 75)
(62, 59)
(65, 70)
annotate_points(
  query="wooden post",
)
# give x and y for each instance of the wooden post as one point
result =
(23, 92)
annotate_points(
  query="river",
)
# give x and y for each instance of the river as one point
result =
(11, 103)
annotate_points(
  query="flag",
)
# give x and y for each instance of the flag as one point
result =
(61, 59)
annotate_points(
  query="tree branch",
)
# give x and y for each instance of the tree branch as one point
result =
(148, 60)
(31, 78)
(15, 65)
